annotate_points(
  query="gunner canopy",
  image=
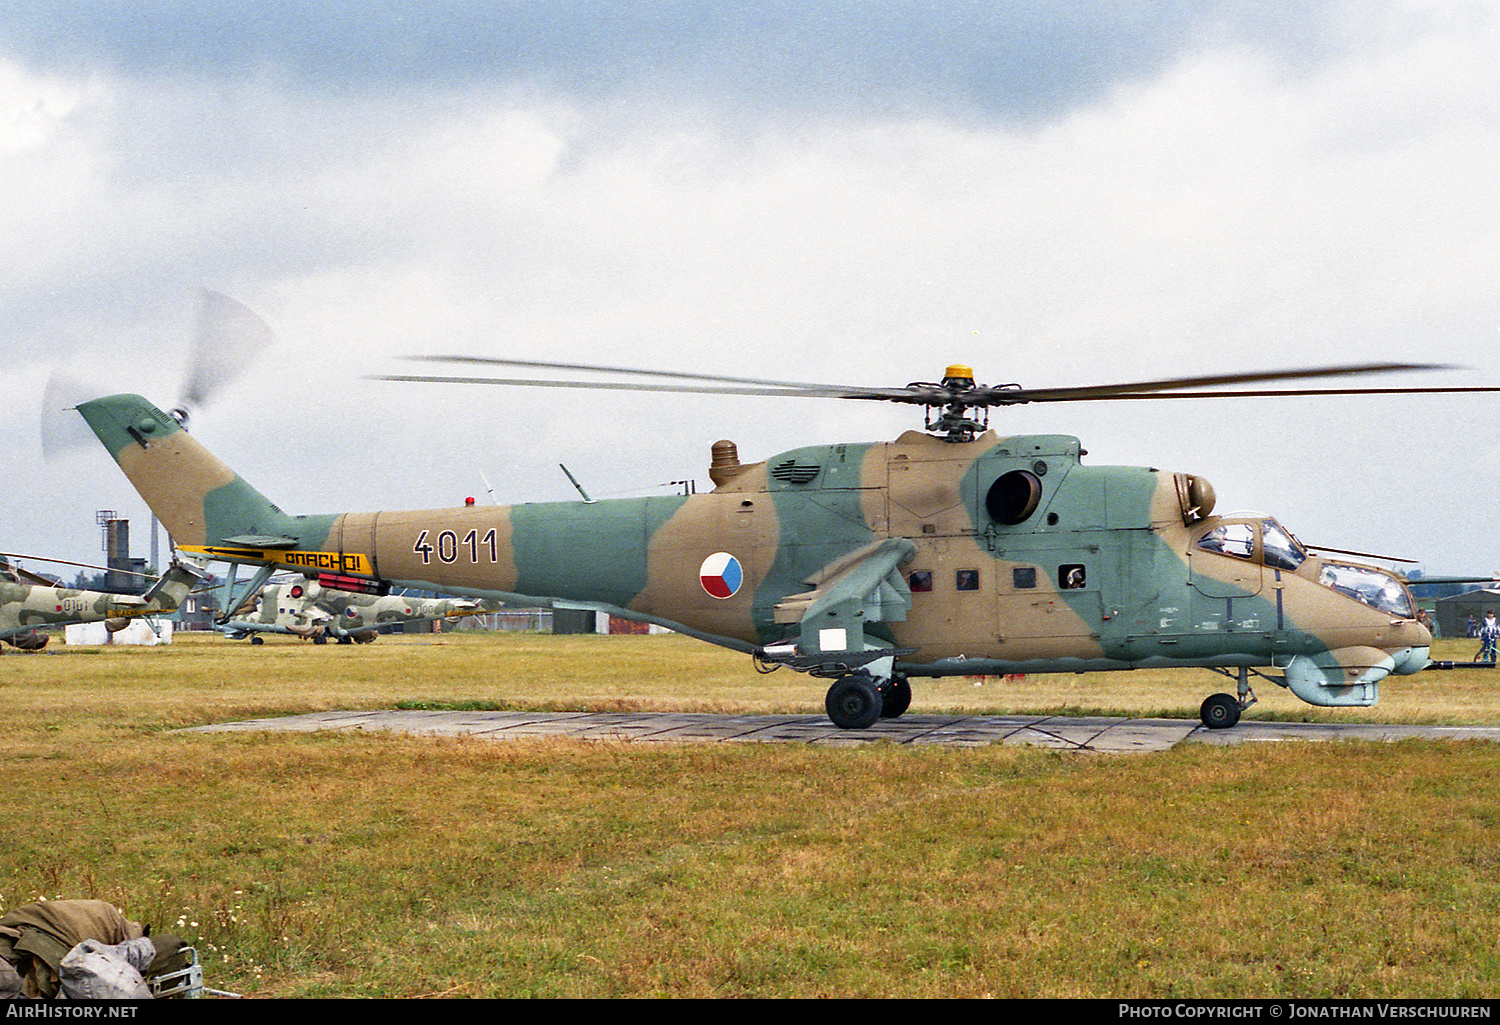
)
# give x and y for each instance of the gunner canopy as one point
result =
(1374, 587)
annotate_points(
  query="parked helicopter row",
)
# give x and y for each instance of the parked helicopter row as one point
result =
(303, 607)
(952, 550)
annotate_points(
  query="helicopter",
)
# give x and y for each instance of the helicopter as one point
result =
(952, 550)
(305, 608)
(30, 603)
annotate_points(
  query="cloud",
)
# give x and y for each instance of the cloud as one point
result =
(1022, 61)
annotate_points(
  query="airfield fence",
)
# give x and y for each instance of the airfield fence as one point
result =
(510, 620)
(514, 620)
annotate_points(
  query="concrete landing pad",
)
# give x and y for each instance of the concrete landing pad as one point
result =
(1080, 734)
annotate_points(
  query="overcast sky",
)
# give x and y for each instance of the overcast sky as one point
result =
(1055, 193)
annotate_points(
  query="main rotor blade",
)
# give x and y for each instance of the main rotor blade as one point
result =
(1142, 389)
(67, 562)
(1362, 555)
(811, 391)
(1417, 581)
(24, 576)
(785, 387)
(1275, 393)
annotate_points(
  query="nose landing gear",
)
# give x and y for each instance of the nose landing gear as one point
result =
(1221, 711)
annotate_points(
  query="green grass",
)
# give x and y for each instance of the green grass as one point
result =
(353, 865)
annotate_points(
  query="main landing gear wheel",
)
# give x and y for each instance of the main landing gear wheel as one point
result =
(854, 702)
(1219, 711)
(895, 697)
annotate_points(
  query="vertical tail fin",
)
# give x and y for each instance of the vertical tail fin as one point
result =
(175, 585)
(196, 497)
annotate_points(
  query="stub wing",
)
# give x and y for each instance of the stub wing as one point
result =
(866, 586)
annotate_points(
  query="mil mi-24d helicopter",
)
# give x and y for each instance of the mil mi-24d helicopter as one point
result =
(30, 603)
(950, 551)
(305, 608)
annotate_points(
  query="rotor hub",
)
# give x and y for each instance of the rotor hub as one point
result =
(958, 376)
(950, 413)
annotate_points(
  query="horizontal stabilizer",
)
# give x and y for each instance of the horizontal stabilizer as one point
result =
(168, 593)
(262, 541)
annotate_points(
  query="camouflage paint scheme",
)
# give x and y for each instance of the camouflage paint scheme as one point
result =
(307, 609)
(24, 608)
(829, 540)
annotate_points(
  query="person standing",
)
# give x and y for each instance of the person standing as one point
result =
(1489, 636)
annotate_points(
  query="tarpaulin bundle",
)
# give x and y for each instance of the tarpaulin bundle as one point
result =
(79, 948)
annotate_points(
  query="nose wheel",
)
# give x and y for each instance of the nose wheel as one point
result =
(1221, 711)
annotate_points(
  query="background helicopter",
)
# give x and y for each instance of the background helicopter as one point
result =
(949, 551)
(303, 607)
(30, 603)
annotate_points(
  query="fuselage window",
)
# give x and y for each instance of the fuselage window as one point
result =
(1023, 577)
(921, 580)
(1236, 539)
(967, 580)
(1071, 578)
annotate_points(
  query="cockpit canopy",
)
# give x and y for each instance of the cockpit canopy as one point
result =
(1374, 587)
(1256, 538)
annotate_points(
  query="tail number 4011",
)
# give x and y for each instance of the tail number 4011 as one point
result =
(450, 547)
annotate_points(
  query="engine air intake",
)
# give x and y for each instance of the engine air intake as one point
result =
(1013, 497)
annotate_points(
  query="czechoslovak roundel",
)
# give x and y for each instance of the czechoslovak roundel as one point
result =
(721, 575)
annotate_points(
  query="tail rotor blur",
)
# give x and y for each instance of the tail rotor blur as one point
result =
(227, 340)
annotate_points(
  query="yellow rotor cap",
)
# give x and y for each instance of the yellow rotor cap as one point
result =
(959, 370)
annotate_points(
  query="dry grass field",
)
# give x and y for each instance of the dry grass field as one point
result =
(361, 866)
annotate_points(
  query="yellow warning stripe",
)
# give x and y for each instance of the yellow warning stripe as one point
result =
(333, 562)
